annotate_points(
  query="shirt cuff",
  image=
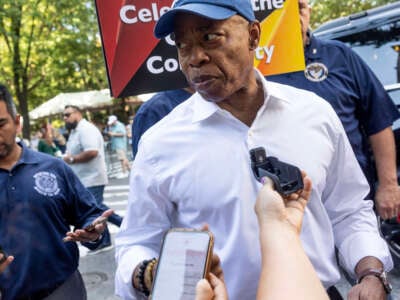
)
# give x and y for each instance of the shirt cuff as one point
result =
(361, 245)
(127, 260)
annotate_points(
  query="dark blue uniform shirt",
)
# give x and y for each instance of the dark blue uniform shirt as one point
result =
(340, 76)
(39, 198)
(153, 110)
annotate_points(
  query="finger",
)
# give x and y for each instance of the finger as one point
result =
(214, 280)
(6, 263)
(218, 287)
(216, 268)
(99, 228)
(381, 212)
(204, 290)
(102, 220)
(266, 181)
(384, 214)
(307, 184)
(67, 239)
(107, 213)
(82, 236)
(307, 188)
(294, 196)
(205, 227)
(302, 193)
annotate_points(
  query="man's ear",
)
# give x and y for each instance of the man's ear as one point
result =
(19, 123)
(254, 34)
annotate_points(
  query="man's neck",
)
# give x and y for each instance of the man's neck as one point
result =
(10, 160)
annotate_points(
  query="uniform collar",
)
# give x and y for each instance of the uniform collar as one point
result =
(203, 109)
(27, 156)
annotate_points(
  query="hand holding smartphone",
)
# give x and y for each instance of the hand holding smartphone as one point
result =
(89, 228)
(184, 259)
(98, 221)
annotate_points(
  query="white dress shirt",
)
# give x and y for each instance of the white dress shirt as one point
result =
(193, 167)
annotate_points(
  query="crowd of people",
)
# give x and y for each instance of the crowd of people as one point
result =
(191, 167)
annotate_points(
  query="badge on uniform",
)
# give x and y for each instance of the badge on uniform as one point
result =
(46, 184)
(316, 72)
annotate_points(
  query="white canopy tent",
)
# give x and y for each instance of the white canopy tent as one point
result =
(89, 99)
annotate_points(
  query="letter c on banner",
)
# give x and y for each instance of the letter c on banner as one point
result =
(123, 14)
(150, 65)
(170, 65)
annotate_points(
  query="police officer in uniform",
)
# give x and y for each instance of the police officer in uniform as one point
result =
(337, 74)
(40, 198)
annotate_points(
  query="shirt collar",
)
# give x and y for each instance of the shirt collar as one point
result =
(27, 156)
(81, 121)
(203, 109)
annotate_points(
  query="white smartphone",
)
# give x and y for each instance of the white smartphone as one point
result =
(184, 259)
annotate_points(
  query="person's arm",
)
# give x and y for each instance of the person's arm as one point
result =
(116, 134)
(284, 261)
(353, 220)
(141, 233)
(376, 114)
(91, 141)
(82, 157)
(387, 197)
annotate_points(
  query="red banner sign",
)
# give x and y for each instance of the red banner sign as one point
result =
(139, 63)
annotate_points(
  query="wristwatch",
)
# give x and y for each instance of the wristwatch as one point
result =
(71, 159)
(380, 274)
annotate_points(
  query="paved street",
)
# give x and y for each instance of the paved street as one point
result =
(98, 269)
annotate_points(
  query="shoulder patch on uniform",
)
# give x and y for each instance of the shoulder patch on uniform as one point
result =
(316, 72)
(46, 184)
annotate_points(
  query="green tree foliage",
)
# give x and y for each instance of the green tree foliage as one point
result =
(48, 47)
(325, 10)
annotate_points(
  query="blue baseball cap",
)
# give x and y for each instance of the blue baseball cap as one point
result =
(210, 9)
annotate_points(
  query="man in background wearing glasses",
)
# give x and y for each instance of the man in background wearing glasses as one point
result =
(85, 155)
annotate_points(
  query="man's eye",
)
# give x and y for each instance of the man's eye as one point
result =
(210, 36)
(180, 45)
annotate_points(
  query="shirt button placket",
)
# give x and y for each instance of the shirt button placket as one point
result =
(12, 187)
(250, 139)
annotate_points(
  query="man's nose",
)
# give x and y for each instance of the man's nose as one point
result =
(198, 56)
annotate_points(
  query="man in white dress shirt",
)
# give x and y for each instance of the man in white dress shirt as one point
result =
(193, 167)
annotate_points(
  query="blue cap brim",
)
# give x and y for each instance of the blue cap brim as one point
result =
(165, 24)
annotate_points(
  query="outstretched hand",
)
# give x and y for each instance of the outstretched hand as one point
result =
(272, 207)
(92, 234)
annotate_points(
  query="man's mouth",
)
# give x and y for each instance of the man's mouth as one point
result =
(202, 81)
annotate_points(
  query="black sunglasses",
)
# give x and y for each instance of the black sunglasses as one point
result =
(66, 115)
